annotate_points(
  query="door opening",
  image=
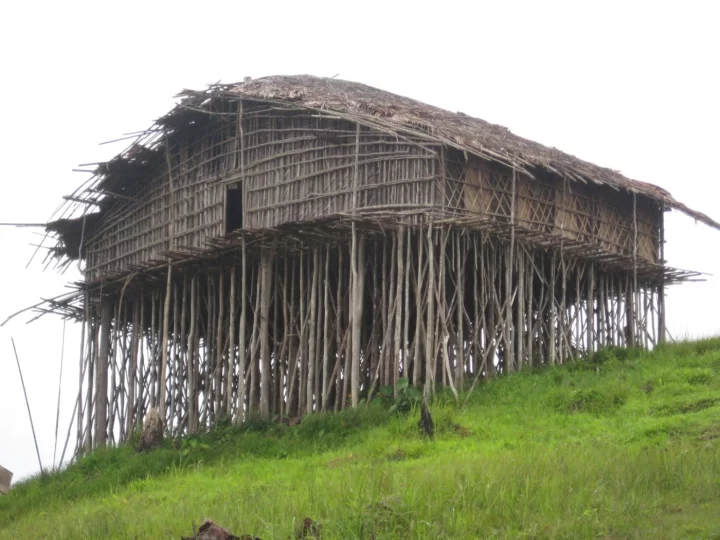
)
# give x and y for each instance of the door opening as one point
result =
(233, 209)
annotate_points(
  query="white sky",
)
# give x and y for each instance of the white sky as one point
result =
(629, 85)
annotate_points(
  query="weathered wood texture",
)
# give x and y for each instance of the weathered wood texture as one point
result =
(269, 259)
(297, 166)
(291, 166)
(5, 480)
(477, 305)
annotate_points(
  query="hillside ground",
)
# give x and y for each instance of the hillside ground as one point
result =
(625, 444)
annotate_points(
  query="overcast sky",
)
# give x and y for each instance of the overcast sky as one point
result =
(629, 85)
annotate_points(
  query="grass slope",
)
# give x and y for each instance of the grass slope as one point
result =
(625, 445)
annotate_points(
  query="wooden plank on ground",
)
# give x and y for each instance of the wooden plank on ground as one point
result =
(5, 479)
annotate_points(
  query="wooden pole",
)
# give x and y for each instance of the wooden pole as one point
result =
(135, 339)
(27, 404)
(312, 331)
(633, 298)
(460, 251)
(82, 366)
(57, 412)
(164, 346)
(429, 333)
(553, 314)
(101, 382)
(219, 348)
(358, 287)
(241, 337)
(661, 287)
(406, 321)
(326, 332)
(417, 364)
(265, 280)
(509, 267)
(356, 290)
(397, 352)
(193, 422)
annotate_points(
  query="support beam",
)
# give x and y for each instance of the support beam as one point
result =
(101, 374)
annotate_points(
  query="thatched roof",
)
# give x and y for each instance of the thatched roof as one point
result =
(371, 107)
(491, 141)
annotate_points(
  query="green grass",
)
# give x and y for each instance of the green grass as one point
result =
(623, 445)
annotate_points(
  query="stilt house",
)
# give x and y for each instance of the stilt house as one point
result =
(289, 245)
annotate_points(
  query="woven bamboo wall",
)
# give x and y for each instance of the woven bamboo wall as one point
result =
(597, 216)
(301, 166)
(295, 165)
(292, 166)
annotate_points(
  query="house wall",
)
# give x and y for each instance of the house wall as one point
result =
(295, 165)
(292, 166)
(598, 217)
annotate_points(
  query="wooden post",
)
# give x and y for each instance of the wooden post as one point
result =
(406, 322)
(164, 347)
(430, 325)
(241, 338)
(520, 327)
(509, 264)
(135, 339)
(417, 343)
(553, 313)
(356, 270)
(358, 292)
(230, 363)
(84, 354)
(193, 417)
(265, 285)
(460, 250)
(591, 309)
(27, 404)
(312, 331)
(326, 332)
(661, 287)
(633, 298)
(219, 348)
(101, 376)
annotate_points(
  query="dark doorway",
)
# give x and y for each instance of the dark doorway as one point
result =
(233, 209)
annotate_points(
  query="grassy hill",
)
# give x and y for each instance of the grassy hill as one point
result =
(623, 445)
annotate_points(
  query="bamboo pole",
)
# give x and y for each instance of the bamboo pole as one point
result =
(57, 411)
(101, 381)
(326, 332)
(265, 280)
(182, 361)
(553, 313)
(591, 309)
(84, 354)
(661, 287)
(241, 336)
(312, 344)
(460, 312)
(193, 419)
(27, 404)
(406, 321)
(397, 347)
(219, 348)
(418, 365)
(230, 363)
(429, 334)
(358, 287)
